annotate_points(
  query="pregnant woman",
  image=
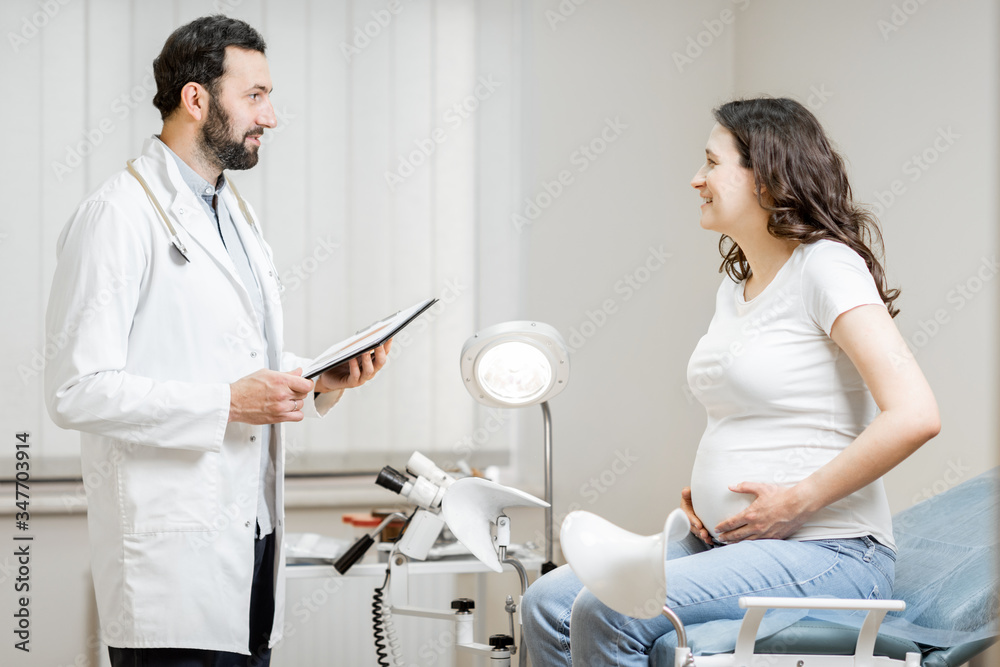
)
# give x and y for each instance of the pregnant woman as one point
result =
(811, 393)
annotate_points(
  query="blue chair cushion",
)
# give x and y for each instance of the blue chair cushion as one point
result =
(825, 638)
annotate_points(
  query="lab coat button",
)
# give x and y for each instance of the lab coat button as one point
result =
(253, 355)
(247, 524)
(253, 438)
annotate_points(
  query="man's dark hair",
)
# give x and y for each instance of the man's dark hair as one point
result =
(196, 52)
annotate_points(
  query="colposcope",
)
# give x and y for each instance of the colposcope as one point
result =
(473, 509)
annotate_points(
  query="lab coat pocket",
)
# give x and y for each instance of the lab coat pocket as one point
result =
(168, 490)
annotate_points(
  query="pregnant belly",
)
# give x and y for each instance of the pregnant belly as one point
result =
(714, 503)
(711, 478)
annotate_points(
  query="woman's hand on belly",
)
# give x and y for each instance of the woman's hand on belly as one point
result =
(776, 513)
(697, 527)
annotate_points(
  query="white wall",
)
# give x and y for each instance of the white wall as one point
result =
(881, 100)
(625, 400)
(892, 94)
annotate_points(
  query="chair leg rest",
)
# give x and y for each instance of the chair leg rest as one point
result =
(789, 660)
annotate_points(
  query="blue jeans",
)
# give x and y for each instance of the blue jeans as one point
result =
(565, 624)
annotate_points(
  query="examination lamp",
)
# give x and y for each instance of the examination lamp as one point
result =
(513, 365)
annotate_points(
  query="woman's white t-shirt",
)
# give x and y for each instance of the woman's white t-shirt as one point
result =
(782, 398)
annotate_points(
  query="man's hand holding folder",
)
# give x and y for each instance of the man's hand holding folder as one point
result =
(355, 372)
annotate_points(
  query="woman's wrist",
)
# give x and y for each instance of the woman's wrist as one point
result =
(807, 497)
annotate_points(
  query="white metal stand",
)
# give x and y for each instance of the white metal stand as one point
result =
(744, 655)
(398, 603)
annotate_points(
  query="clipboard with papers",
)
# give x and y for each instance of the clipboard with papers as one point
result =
(366, 340)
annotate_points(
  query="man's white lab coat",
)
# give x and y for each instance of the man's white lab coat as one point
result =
(148, 344)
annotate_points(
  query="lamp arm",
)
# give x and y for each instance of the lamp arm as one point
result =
(548, 565)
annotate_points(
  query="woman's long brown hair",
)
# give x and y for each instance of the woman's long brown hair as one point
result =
(809, 195)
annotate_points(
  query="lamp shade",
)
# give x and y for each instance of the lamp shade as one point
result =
(624, 570)
(515, 364)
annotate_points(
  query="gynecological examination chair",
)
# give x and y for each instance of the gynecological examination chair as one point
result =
(943, 611)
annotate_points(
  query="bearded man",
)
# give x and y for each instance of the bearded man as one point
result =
(172, 367)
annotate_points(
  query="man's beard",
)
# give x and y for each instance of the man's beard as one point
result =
(218, 144)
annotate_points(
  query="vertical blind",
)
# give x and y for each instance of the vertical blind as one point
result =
(391, 177)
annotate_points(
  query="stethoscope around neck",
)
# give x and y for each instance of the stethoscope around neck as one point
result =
(175, 239)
